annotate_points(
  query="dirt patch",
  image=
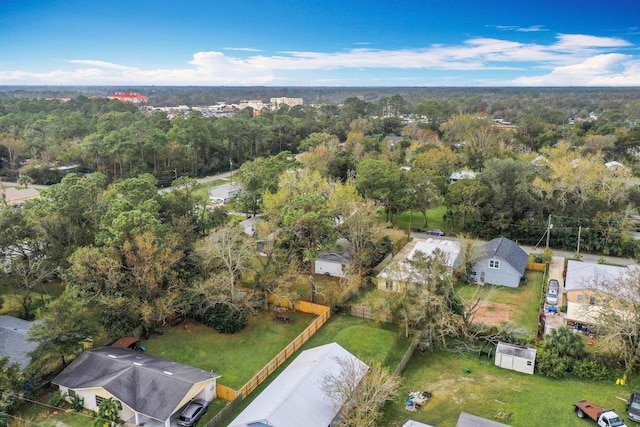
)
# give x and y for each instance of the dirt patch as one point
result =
(493, 313)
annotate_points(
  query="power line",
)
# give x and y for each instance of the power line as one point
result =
(44, 404)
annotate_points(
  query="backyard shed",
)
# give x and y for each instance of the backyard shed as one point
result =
(515, 357)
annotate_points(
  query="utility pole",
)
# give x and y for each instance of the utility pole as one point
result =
(579, 232)
(549, 227)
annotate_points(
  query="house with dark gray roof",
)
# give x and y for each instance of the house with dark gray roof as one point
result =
(13, 340)
(152, 390)
(502, 262)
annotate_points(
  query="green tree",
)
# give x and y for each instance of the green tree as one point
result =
(108, 413)
(65, 326)
(12, 389)
(466, 196)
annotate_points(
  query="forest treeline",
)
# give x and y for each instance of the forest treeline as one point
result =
(551, 162)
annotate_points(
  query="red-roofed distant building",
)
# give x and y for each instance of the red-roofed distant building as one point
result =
(136, 98)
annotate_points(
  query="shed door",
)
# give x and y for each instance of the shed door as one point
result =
(506, 361)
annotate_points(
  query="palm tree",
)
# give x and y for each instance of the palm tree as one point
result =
(25, 180)
(564, 342)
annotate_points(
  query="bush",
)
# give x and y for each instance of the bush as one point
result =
(58, 399)
(550, 364)
(77, 403)
(591, 370)
(226, 318)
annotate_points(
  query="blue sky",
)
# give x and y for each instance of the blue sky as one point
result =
(320, 43)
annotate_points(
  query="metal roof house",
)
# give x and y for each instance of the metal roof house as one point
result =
(13, 340)
(150, 389)
(399, 271)
(223, 193)
(502, 263)
(295, 397)
(586, 286)
(468, 420)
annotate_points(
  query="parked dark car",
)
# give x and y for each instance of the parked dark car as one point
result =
(633, 407)
(192, 413)
(436, 232)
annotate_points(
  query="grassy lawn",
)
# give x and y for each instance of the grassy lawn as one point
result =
(236, 357)
(40, 296)
(366, 339)
(434, 219)
(513, 398)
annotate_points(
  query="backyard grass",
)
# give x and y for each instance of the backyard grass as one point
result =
(415, 218)
(513, 398)
(236, 357)
(40, 296)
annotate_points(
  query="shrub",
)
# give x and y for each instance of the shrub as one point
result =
(550, 364)
(77, 403)
(591, 369)
(225, 318)
(57, 399)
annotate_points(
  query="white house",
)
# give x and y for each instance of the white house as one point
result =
(151, 389)
(295, 397)
(392, 277)
(223, 193)
(336, 261)
(456, 176)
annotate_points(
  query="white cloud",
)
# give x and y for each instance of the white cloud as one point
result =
(243, 49)
(611, 69)
(574, 59)
(101, 64)
(531, 29)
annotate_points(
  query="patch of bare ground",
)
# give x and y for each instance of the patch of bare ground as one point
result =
(493, 313)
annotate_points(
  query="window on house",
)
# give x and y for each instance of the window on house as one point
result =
(494, 263)
(389, 285)
(580, 298)
(528, 362)
(72, 393)
(99, 400)
(592, 300)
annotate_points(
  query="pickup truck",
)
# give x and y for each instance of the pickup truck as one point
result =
(588, 409)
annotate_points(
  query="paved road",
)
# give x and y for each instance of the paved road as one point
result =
(204, 180)
(15, 184)
(594, 258)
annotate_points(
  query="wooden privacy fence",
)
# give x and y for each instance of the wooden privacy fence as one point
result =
(226, 393)
(536, 266)
(323, 313)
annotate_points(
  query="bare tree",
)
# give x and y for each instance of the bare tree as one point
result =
(616, 311)
(360, 393)
(227, 250)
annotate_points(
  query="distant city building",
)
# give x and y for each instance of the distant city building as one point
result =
(256, 104)
(291, 102)
(136, 98)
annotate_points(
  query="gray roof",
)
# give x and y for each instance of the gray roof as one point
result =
(468, 420)
(149, 385)
(508, 250)
(295, 397)
(13, 340)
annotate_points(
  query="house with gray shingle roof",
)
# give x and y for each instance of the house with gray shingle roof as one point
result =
(13, 340)
(152, 390)
(501, 263)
